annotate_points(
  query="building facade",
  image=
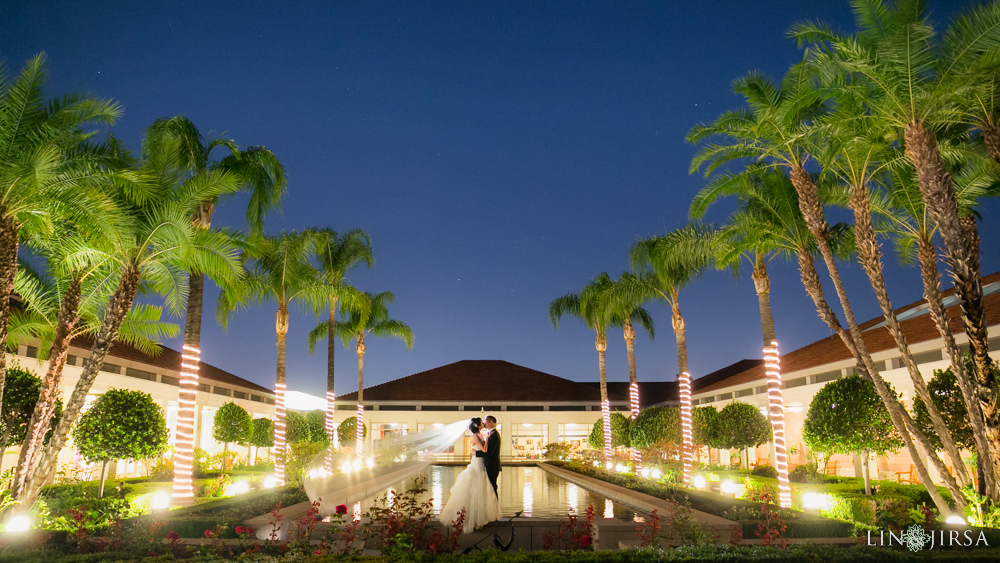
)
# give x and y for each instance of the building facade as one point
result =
(128, 368)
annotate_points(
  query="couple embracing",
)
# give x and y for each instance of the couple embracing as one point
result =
(475, 488)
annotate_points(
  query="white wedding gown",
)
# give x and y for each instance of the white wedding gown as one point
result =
(472, 490)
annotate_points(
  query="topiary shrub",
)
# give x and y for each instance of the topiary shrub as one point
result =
(765, 471)
(619, 432)
(805, 473)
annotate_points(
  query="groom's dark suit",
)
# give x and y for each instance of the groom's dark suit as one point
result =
(491, 458)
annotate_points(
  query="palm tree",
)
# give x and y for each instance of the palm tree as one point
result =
(278, 268)
(626, 297)
(40, 168)
(337, 255)
(853, 153)
(56, 309)
(368, 315)
(919, 86)
(255, 170)
(590, 306)
(772, 129)
(901, 211)
(668, 264)
(767, 225)
(153, 243)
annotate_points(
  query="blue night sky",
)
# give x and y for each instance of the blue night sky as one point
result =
(499, 155)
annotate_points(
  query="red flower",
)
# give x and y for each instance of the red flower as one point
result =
(208, 533)
(586, 541)
(240, 530)
(249, 529)
(341, 509)
(173, 536)
(317, 552)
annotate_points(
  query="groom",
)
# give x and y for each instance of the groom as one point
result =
(491, 457)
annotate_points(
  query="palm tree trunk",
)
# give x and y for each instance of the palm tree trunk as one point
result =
(927, 257)
(601, 344)
(812, 211)
(762, 285)
(684, 387)
(991, 138)
(281, 331)
(118, 307)
(8, 270)
(939, 198)
(633, 386)
(331, 396)
(187, 392)
(776, 406)
(870, 257)
(814, 287)
(41, 417)
(359, 425)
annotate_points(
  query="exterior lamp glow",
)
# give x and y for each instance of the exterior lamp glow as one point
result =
(815, 501)
(161, 501)
(656, 474)
(18, 524)
(270, 482)
(956, 520)
(237, 488)
(728, 487)
(699, 482)
(356, 465)
(645, 472)
(370, 463)
(621, 468)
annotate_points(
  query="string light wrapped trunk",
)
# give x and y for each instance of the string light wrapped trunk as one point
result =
(359, 431)
(331, 431)
(606, 419)
(279, 433)
(684, 385)
(187, 398)
(776, 413)
(633, 397)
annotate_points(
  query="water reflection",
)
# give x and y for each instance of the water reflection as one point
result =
(537, 492)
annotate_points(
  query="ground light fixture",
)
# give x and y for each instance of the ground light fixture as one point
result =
(699, 482)
(815, 501)
(270, 482)
(161, 501)
(656, 474)
(728, 487)
(18, 524)
(954, 519)
(237, 488)
(776, 413)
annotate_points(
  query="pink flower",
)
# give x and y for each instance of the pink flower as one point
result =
(240, 530)
(317, 552)
(208, 533)
(341, 509)
(586, 541)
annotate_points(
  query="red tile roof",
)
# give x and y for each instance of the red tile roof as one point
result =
(832, 349)
(170, 359)
(483, 382)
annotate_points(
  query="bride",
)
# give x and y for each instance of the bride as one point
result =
(472, 490)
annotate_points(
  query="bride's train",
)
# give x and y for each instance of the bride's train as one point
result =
(472, 490)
